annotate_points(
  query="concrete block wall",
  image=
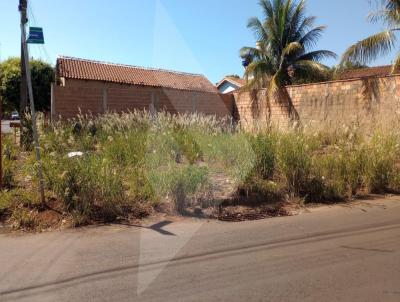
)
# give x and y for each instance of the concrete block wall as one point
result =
(371, 100)
(99, 97)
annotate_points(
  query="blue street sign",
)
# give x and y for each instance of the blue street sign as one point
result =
(35, 35)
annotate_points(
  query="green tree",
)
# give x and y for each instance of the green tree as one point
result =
(381, 43)
(284, 39)
(42, 76)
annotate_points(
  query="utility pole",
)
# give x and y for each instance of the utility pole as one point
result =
(25, 58)
(23, 103)
(1, 136)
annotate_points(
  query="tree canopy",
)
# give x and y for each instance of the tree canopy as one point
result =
(283, 55)
(10, 79)
(381, 43)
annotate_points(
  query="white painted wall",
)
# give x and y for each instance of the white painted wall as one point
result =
(227, 87)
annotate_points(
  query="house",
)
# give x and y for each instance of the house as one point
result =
(359, 73)
(88, 86)
(230, 84)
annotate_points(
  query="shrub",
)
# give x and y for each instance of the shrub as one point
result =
(186, 145)
(9, 156)
(383, 155)
(86, 184)
(24, 218)
(6, 201)
(265, 150)
(294, 157)
(185, 184)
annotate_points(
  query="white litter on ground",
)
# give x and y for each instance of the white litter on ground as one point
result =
(75, 154)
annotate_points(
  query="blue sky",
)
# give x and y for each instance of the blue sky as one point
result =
(193, 36)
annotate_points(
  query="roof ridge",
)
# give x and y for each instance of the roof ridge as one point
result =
(131, 66)
(232, 79)
(369, 67)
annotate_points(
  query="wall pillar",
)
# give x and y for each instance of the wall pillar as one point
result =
(105, 98)
(194, 103)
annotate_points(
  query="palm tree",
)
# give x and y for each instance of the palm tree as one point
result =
(284, 39)
(381, 43)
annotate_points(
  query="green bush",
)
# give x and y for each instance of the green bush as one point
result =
(383, 155)
(294, 157)
(186, 183)
(186, 145)
(265, 150)
(86, 184)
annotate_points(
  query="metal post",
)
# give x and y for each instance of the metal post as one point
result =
(32, 105)
(23, 103)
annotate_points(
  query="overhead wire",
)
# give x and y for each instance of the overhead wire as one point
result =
(42, 49)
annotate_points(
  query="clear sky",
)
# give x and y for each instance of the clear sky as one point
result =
(202, 36)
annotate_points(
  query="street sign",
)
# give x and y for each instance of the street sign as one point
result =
(35, 35)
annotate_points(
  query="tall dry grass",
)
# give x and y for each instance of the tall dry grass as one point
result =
(135, 159)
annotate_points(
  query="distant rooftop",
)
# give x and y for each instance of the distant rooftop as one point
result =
(378, 71)
(236, 81)
(82, 69)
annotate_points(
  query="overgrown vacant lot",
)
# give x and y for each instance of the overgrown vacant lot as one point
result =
(135, 164)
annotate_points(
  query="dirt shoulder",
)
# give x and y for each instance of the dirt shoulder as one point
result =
(52, 219)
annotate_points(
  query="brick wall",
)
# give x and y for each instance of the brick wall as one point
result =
(360, 100)
(98, 97)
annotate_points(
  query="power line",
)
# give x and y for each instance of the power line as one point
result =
(42, 49)
(31, 13)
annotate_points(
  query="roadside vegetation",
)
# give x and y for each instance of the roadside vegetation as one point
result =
(10, 82)
(133, 165)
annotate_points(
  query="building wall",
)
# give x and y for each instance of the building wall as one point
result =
(99, 97)
(369, 100)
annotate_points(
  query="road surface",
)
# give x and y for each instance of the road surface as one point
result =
(340, 253)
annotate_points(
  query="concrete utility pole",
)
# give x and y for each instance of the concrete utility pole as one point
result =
(1, 142)
(23, 103)
(27, 70)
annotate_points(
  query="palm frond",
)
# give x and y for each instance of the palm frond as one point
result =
(297, 20)
(292, 48)
(257, 74)
(310, 38)
(268, 10)
(389, 17)
(370, 48)
(252, 51)
(311, 66)
(258, 28)
(311, 71)
(277, 82)
(306, 24)
(396, 65)
(257, 68)
(318, 55)
(390, 4)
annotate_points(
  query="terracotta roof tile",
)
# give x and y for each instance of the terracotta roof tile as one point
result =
(236, 81)
(379, 71)
(239, 81)
(74, 68)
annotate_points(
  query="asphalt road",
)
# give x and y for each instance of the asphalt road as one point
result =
(331, 254)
